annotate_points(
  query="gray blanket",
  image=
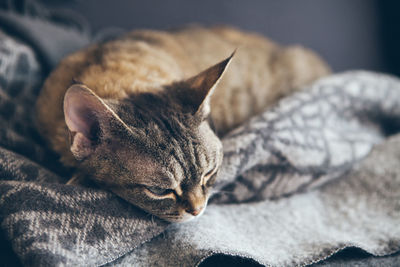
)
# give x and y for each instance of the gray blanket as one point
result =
(298, 183)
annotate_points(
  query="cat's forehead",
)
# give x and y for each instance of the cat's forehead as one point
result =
(170, 163)
(169, 140)
(154, 110)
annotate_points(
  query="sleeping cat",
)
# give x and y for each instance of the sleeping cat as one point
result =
(134, 115)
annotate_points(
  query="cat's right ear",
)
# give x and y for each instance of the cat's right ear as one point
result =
(199, 88)
(84, 113)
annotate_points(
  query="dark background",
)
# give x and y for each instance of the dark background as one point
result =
(356, 34)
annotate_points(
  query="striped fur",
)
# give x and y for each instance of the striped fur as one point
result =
(146, 132)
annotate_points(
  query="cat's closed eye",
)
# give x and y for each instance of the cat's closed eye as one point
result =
(209, 177)
(158, 191)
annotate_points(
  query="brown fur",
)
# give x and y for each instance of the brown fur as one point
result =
(155, 62)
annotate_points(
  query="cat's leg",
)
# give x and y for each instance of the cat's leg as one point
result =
(76, 180)
(82, 180)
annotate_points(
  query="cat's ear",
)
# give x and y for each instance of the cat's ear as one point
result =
(84, 114)
(200, 87)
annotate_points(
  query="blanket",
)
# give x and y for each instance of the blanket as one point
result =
(298, 183)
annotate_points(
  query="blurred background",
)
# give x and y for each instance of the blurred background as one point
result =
(357, 34)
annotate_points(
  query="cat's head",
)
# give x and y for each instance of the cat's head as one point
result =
(155, 150)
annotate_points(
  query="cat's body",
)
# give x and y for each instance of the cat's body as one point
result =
(145, 73)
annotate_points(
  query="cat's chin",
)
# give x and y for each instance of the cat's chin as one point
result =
(185, 218)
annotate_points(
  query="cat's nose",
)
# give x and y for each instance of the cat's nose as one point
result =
(195, 212)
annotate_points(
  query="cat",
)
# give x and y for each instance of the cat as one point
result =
(135, 115)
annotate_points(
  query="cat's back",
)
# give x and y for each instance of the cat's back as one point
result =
(260, 73)
(143, 61)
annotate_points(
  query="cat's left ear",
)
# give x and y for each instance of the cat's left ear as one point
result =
(199, 88)
(86, 116)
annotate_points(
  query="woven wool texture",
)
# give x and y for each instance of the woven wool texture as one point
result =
(298, 183)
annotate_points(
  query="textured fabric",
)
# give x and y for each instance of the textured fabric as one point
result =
(362, 209)
(52, 33)
(263, 207)
(310, 137)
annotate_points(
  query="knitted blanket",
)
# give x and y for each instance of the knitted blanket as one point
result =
(298, 183)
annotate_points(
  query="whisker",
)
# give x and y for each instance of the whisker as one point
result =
(172, 214)
(173, 217)
(223, 193)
